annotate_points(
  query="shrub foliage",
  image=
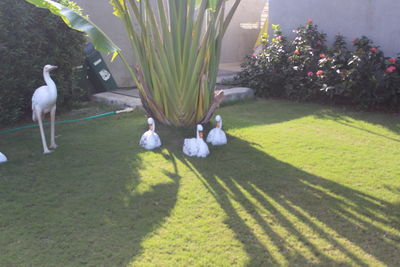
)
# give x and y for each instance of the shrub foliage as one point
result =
(29, 39)
(306, 69)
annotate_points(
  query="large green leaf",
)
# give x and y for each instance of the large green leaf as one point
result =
(76, 21)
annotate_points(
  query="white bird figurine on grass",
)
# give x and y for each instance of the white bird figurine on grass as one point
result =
(196, 147)
(150, 139)
(3, 158)
(217, 136)
(44, 101)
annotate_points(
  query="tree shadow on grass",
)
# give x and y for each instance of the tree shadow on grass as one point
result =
(303, 219)
(86, 210)
(277, 111)
(80, 206)
(272, 110)
(388, 121)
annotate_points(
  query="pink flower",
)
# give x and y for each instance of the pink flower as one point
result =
(322, 55)
(254, 55)
(355, 40)
(310, 20)
(296, 52)
(390, 69)
(278, 38)
(310, 74)
(392, 60)
(373, 49)
(320, 73)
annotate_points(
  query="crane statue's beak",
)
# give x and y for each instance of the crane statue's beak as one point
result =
(53, 68)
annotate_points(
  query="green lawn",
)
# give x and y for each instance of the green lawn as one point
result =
(298, 184)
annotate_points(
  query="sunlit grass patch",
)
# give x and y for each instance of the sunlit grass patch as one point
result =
(298, 184)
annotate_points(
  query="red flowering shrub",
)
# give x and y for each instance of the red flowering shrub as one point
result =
(307, 47)
(335, 69)
(391, 83)
(363, 82)
(305, 69)
(266, 72)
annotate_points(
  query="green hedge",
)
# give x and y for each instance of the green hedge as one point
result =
(29, 39)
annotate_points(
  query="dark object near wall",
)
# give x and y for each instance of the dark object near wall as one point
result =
(98, 72)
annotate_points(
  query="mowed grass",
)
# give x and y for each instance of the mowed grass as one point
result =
(298, 184)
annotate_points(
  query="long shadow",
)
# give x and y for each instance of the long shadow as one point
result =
(303, 217)
(86, 209)
(96, 217)
(276, 111)
(388, 121)
(273, 111)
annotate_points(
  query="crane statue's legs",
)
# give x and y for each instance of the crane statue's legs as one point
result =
(53, 144)
(40, 121)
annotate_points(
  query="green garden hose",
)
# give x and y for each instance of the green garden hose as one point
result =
(67, 121)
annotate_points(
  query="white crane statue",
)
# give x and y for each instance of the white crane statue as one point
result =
(150, 139)
(217, 136)
(44, 101)
(3, 158)
(196, 147)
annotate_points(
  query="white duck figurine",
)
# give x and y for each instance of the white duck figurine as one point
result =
(3, 158)
(44, 101)
(217, 136)
(150, 139)
(196, 147)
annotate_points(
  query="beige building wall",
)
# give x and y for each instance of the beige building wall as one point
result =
(376, 19)
(239, 39)
(101, 13)
(243, 31)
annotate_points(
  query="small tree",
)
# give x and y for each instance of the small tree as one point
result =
(176, 45)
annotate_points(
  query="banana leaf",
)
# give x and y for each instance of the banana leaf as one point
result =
(81, 23)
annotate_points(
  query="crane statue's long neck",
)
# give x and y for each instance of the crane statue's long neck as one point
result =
(50, 83)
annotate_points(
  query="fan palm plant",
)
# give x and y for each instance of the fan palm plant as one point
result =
(176, 46)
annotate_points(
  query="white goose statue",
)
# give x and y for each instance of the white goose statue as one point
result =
(3, 158)
(150, 139)
(44, 101)
(217, 136)
(196, 147)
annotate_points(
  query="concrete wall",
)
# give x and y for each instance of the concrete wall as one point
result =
(243, 31)
(376, 19)
(239, 39)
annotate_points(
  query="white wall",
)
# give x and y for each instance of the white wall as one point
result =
(243, 31)
(376, 19)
